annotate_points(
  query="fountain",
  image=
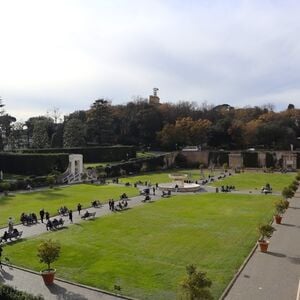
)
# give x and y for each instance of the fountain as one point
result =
(178, 184)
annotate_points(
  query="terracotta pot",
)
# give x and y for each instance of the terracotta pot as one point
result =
(278, 219)
(48, 276)
(263, 246)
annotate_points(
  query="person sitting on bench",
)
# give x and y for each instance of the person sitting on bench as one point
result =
(86, 215)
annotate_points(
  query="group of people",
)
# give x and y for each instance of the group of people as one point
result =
(54, 224)
(227, 188)
(122, 204)
(28, 219)
(9, 235)
(63, 211)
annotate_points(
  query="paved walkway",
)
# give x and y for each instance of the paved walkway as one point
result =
(274, 275)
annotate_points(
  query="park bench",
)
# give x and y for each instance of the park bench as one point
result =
(10, 236)
(88, 215)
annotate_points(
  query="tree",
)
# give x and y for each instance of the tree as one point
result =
(48, 252)
(40, 137)
(99, 122)
(74, 133)
(196, 285)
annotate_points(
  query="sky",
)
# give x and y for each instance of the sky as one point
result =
(68, 53)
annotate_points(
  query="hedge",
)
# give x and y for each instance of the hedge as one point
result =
(250, 159)
(270, 160)
(10, 293)
(218, 158)
(134, 166)
(93, 154)
(33, 164)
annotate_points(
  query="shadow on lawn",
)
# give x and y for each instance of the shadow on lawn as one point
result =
(63, 293)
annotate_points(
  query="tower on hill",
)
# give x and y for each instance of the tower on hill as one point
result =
(154, 99)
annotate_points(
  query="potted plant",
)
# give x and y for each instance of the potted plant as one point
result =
(266, 231)
(280, 208)
(48, 252)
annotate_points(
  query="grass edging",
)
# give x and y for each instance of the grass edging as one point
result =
(72, 283)
(237, 274)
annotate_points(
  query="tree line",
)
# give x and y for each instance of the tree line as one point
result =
(166, 126)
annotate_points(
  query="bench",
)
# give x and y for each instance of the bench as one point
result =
(88, 216)
(11, 235)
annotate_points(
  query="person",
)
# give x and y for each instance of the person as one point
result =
(71, 216)
(86, 214)
(10, 224)
(153, 190)
(0, 256)
(79, 208)
(47, 216)
(5, 236)
(49, 225)
(42, 214)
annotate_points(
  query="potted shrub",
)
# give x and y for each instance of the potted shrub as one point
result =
(280, 208)
(287, 193)
(266, 231)
(48, 252)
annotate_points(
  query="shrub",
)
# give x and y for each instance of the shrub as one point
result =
(196, 285)
(266, 231)
(287, 193)
(10, 293)
(280, 207)
(4, 187)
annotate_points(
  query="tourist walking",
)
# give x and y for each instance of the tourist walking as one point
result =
(79, 208)
(153, 190)
(47, 215)
(42, 214)
(10, 225)
(71, 216)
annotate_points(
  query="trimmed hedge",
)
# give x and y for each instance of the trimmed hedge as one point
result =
(133, 166)
(94, 154)
(270, 160)
(218, 158)
(33, 164)
(250, 159)
(10, 293)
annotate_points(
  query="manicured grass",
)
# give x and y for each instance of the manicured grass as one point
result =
(145, 249)
(162, 177)
(52, 199)
(256, 180)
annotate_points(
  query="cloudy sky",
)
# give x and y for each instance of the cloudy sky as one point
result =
(65, 54)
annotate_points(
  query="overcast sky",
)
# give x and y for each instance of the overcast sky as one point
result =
(66, 54)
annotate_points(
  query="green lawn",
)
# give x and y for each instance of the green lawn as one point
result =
(52, 199)
(162, 177)
(145, 249)
(255, 180)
